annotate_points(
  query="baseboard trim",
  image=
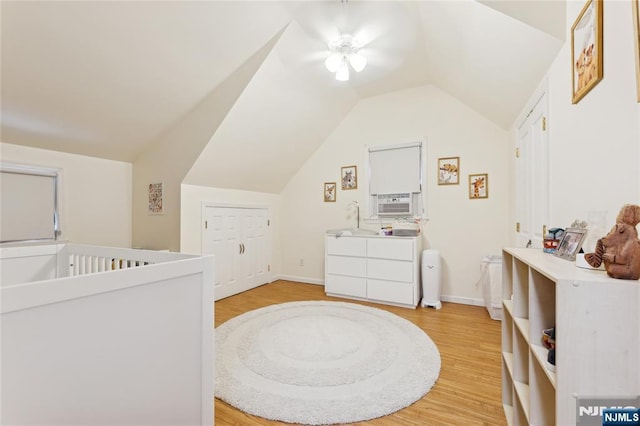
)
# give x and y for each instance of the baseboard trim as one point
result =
(462, 300)
(305, 280)
(443, 298)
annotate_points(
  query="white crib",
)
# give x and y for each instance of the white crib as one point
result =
(96, 335)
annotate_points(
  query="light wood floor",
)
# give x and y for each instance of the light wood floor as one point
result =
(468, 389)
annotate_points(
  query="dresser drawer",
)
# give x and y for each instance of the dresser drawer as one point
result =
(344, 265)
(347, 246)
(391, 248)
(347, 286)
(389, 291)
(391, 270)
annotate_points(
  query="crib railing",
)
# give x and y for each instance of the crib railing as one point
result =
(76, 259)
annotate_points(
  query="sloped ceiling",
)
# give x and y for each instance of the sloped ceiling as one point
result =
(107, 79)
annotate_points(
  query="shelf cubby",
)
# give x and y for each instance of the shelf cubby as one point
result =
(542, 395)
(520, 359)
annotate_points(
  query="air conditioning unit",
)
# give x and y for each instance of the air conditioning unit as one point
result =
(394, 204)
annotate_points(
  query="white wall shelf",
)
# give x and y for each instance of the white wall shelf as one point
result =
(590, 312)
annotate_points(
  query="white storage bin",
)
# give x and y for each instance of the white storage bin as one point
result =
(491, 281)
(431, 279)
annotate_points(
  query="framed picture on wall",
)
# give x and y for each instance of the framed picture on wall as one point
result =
(449, 171)
(479, 186)
(349, 177)
(156, 198)
(329, 192)
(586, 49)
(636, 42)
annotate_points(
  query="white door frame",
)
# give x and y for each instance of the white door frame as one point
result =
(531, 194)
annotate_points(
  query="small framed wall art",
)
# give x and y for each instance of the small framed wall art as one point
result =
(349, 177)
(479, 186)
(156, 198)
(586, 49)
(329, 192)
(449, 171)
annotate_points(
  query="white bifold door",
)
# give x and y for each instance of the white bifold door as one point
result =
(239, 239)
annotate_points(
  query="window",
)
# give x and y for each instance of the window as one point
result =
(397, 170)
(28, 203)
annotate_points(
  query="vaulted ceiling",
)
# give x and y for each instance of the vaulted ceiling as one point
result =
(106, 79)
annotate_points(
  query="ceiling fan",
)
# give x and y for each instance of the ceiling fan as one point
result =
(351, 36)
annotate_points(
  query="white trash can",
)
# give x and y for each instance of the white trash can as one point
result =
(491, 281)
(431, 279)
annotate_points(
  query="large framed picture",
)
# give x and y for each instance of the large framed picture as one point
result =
(586, 49)
(449, 171)
(636, 41)
(571, 243)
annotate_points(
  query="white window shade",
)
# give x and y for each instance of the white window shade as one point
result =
(394, 170)
(27, 204)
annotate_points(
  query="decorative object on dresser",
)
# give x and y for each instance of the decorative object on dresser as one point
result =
(319, 362)
(382, 269)
(620, 248)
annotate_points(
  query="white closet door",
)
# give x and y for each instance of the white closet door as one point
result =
(532, 176)
(239, 240)
(254, 262)
(222, 237)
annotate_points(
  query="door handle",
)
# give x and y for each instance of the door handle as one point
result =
(240, 248)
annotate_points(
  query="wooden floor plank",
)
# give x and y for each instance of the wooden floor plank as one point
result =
(468, 389)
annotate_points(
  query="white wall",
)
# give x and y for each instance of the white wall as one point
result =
(192, 199)
(594, 145)
(95, 194)
(463, 230)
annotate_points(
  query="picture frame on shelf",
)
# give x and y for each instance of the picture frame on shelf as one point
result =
(449, 171)
(635, 7)
(571, 243)
(329, 192)
(479, 186)
(586, 50)
(349, 177)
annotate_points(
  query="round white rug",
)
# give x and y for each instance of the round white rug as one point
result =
(322, 362)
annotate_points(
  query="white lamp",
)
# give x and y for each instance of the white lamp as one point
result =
(344, 52)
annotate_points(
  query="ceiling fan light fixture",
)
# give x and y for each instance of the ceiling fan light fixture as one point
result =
(342, 74)
(344, 52)
(333, 62)
(358, 62)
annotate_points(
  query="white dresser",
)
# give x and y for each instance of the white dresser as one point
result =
(382, 269)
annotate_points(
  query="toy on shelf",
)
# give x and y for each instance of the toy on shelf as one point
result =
(620, 248)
